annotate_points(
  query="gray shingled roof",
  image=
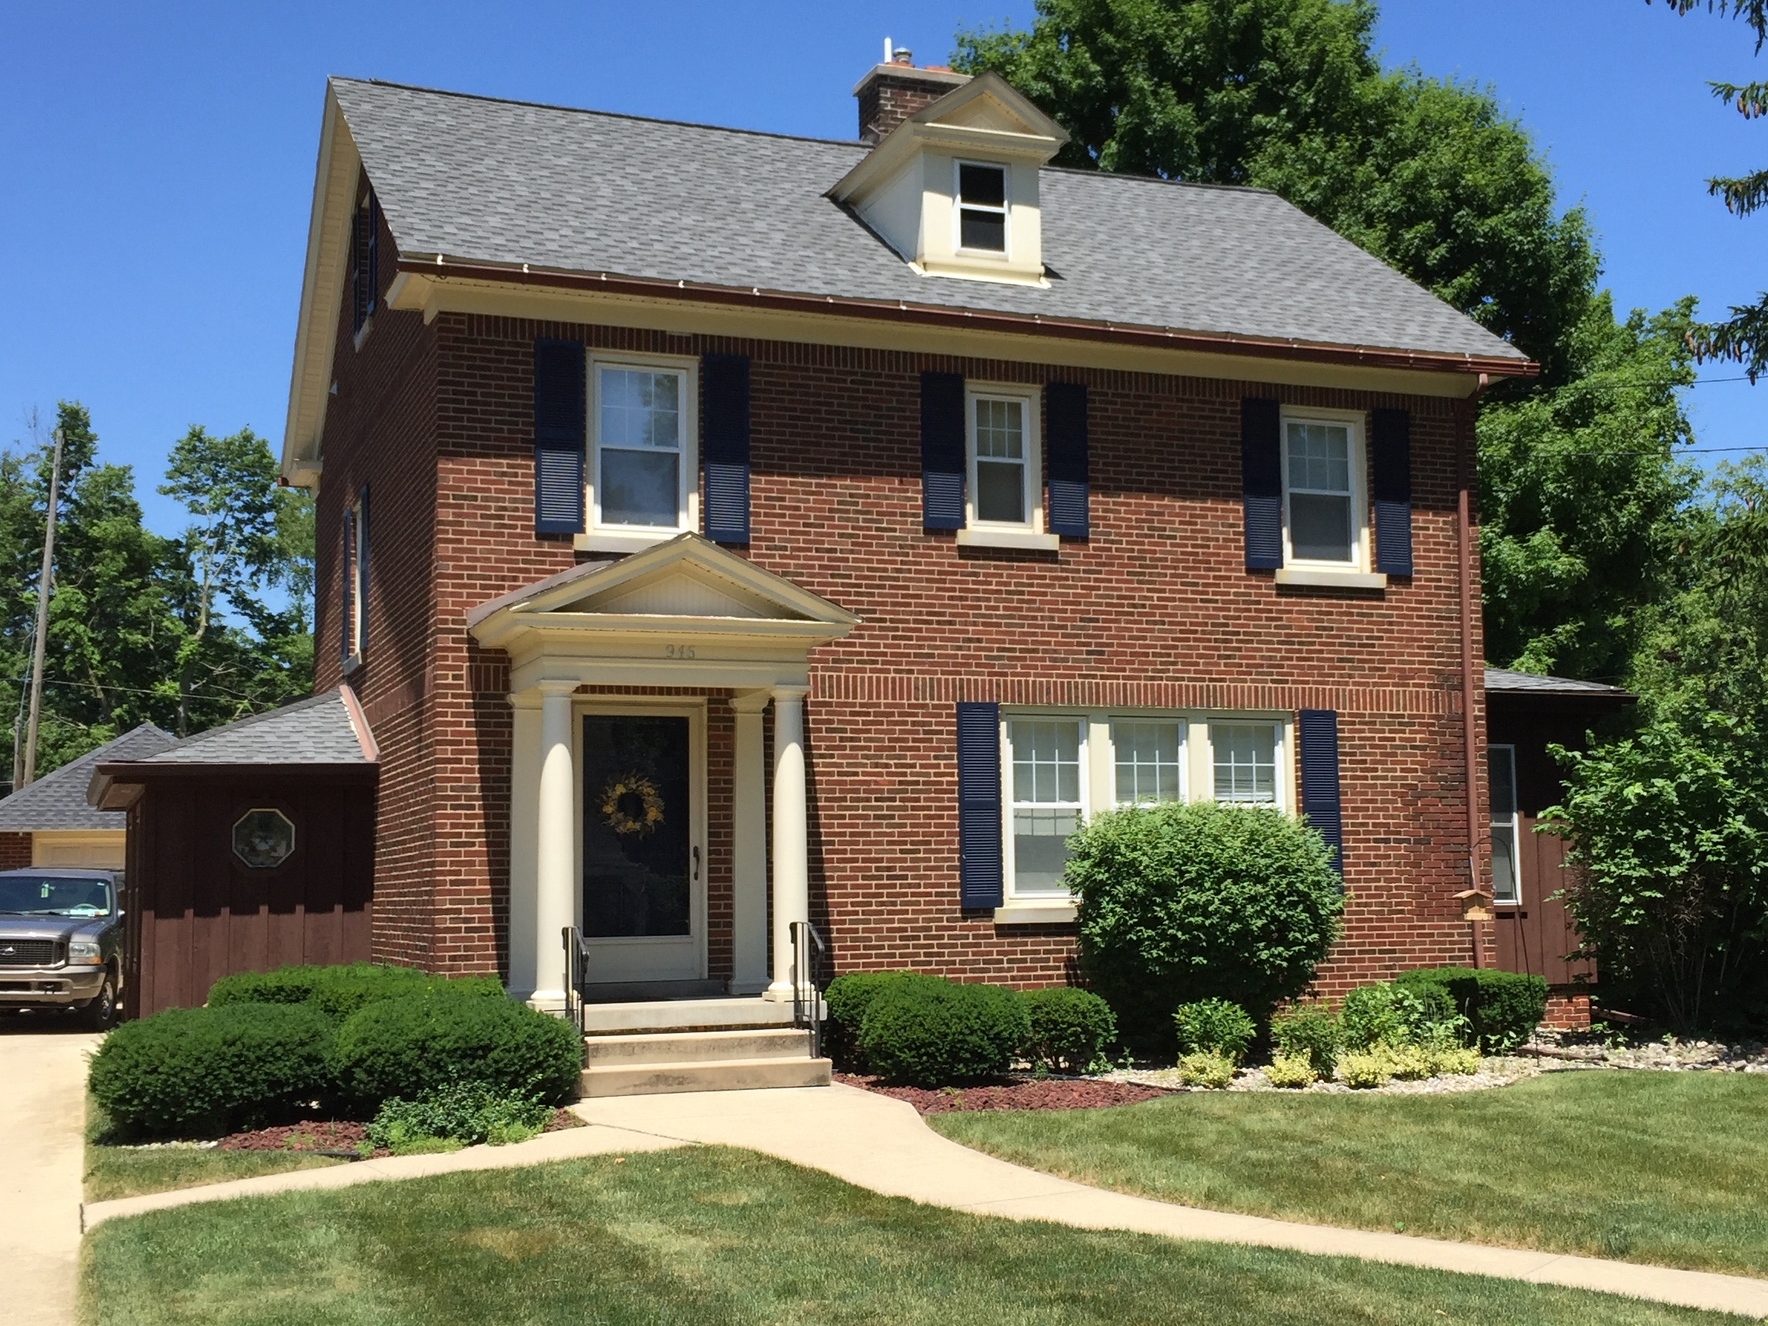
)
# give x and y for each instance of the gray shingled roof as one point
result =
(58, 800)
(312, 731)
(1528, 683)
(508, 182)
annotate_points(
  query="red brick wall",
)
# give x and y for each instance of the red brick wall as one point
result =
(15, 851)
(891, 98)
(1156, 609)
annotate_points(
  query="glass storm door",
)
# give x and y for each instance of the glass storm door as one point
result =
(641, 859)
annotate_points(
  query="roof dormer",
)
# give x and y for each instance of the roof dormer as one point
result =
(953, 187)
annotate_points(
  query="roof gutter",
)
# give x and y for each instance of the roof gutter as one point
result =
(441, 266)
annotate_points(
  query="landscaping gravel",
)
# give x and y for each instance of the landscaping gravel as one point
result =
(1603, 1048)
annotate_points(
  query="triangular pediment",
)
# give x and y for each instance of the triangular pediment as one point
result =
(988, 102)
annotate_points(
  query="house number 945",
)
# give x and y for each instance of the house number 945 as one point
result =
(678, 651)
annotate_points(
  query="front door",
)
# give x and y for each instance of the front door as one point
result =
(643, 887)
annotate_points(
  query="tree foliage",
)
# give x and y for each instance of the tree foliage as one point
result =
(187, 631)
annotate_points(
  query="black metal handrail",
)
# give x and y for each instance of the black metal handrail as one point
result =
(576, 967)
(807, 1002)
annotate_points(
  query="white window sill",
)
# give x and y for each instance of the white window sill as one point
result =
(1040, 911)
(622, 541)
(353, 664)
(973, 537)
(1326, 577)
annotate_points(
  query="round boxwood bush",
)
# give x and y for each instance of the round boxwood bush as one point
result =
(847, 999)
(202, 1072)
(339, 991)
(1193, 901)
(933, 1032)
(400, 1047)
(1070, 1029)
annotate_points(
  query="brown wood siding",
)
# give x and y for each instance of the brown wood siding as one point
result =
(197, 913)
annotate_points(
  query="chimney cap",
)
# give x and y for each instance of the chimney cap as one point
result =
(902, 55)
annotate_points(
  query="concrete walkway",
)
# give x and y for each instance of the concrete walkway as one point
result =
(882, 1144)
(42, 1158)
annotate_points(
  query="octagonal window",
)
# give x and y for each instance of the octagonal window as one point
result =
(263, 839)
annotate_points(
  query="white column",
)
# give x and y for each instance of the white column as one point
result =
(555, 845)
(791, 833)
(749, 846)
(524, 842)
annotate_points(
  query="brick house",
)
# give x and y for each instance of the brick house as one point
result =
(723, 530)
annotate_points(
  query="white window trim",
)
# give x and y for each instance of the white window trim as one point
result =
(1515, 826)
(1028, 533)
(1005, 252)
(600, 537)
(1098, 790)
(1305, 571)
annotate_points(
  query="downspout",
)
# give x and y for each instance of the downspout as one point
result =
(1469, 730)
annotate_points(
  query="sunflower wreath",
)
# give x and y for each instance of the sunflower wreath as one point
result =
(618, 810)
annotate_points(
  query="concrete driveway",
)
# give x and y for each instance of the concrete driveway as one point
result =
(42, 1114)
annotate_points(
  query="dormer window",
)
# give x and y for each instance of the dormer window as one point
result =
(982, 207)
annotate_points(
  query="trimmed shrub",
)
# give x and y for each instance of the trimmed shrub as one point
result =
(847, 999)
(401, 1047)
(1311, 1032)
(1206, 1069)
(462, 1111)
(1362, 1069)
(1290, 1071)
(931, 1032)
(340, 991)
(202, 1072)
(1070, 1029)
(1214, 1026)
(1389, 1014)
(1193, 900)
(1502, 1008)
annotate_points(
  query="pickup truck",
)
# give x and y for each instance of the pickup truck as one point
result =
(61, 939)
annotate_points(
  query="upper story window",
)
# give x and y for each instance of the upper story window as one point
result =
(643, 475)
(1004, 486)
(1323, 502)
(365, 285)
(982, 207)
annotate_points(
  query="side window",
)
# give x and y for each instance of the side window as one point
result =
(1322, 492)
(1243, 758)
(1506, 872)
(364, 266)
(642, 470)
(1005, 488)
(356, 582)
(1047, 799)
(1149, 761)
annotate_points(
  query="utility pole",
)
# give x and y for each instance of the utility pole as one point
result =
(29, 772)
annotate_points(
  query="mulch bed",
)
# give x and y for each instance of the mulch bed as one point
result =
(1049, 1093)
(338, 1137)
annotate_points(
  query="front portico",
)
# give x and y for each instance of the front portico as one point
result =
(618, 672)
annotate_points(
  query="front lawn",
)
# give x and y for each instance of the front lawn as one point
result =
(708, 1236)
(1667, 1168)
(128, 1171)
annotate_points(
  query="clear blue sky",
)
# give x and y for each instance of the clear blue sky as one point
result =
(158, 159)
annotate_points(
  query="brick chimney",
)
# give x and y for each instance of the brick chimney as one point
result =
(895, 90)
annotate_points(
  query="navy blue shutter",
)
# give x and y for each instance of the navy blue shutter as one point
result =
(558, 437)
(346, 593)
(1319, 779)
(1391, 439)
(359, 586)
(358, 268)
(1261, 482)
(942, 451)
(979, 805)
(725, 386)
(1065, 407)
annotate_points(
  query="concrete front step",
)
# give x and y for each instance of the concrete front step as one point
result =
(649, 1079)
(696, 1047)
(660, 1015)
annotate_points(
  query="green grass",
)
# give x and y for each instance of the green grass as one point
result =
(708, 1236)
(1667, 1168)
(120, 1171)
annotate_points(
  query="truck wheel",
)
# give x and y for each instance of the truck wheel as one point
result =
(101, 1013)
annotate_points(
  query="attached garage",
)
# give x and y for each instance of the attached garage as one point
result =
(249, 847)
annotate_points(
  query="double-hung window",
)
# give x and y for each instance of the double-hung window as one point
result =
(643, 472)
(1004, 488)
(355, 582)
(1148, 756)
(982, 207)
(1506, 871)
(1323, 522)
(1048, 798)
(1245, 762)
